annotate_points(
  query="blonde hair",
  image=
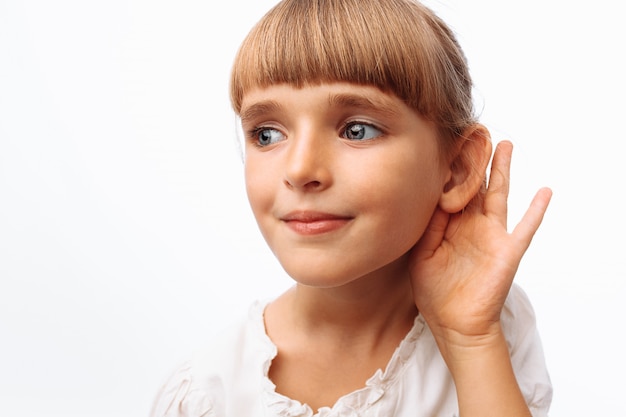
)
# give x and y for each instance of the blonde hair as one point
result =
(399, 46)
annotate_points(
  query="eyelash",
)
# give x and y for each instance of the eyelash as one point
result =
(253, 134)
(351, 123)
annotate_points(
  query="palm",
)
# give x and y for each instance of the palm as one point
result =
(463, 267)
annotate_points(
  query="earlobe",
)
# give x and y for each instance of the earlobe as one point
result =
(468, 169)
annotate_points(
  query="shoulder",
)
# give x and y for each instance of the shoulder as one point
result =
(527, 357)
(236, 347)
(518, 310)
(519, 321)
(181, 396)
(224, 371)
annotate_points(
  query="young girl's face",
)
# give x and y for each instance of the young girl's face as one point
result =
(342, 178)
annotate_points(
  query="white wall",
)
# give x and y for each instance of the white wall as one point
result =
(125, 236)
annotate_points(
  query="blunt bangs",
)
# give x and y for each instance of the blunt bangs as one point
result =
(399, 46)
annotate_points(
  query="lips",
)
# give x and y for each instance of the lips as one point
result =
(314, 222)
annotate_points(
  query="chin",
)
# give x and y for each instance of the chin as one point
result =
(318, 277)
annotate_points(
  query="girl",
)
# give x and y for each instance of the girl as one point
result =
(365, 170)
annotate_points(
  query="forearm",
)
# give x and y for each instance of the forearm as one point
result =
(483, 375)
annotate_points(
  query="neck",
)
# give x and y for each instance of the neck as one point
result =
(369, 309)
(331, 340)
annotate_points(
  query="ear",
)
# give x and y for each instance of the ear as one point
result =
(468, 168)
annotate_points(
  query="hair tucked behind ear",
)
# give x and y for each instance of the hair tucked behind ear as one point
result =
(399, 46)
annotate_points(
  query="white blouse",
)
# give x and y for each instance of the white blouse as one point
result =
(230, 378)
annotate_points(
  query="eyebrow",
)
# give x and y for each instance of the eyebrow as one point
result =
(259, 109)
(360, 102)
(354, 101)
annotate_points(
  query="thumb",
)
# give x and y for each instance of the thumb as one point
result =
(433, 235)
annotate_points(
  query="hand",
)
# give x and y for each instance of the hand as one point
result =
(463, 267)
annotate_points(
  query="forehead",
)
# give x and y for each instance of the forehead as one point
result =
(261, 100)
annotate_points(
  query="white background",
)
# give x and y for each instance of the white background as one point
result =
(125, 235)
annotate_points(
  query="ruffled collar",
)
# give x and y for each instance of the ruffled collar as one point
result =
(351, 404)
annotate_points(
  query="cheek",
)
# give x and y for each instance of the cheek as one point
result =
(256, 186)
(405, 196)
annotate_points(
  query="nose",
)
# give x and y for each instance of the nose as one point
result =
(308, 165)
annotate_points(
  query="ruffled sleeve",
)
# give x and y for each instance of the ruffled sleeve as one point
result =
(181, 397)
(519, 323)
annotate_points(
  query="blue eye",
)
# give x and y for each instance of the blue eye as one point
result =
(361, 131)
(267, 136)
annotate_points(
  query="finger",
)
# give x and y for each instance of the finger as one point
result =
(433, 235)
(526, 228)
(499, 179)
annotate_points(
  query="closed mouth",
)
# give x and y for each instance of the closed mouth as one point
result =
(313, 222)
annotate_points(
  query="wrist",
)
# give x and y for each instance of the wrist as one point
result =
(464, 345)
(472, 354)
(480, 365)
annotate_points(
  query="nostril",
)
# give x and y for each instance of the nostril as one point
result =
(310, 185)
